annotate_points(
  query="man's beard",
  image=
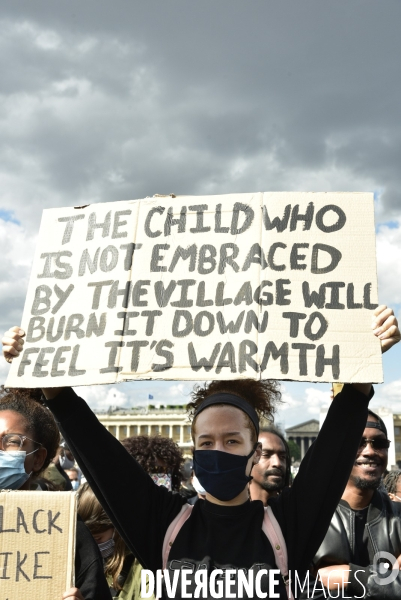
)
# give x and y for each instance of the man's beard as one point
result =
(273, 486)
(366, 484)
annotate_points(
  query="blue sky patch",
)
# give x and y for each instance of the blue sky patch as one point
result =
(8, 216)
(377, 194)
(390, 224)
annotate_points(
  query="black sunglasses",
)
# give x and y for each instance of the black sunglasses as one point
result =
(376, 443)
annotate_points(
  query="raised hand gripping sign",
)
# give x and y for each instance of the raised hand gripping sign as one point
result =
(266, 285)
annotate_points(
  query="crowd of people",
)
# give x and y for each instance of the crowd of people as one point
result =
(232, 512)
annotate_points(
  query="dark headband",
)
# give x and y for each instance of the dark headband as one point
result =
(374, 425)
(232, 400)
(380, 425)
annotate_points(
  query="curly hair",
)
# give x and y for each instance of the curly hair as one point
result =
(39, 419)
(97, 521)
(263, 395)
(391, 480)
(149, 450)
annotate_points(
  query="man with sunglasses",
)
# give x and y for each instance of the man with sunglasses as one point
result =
(366, 522)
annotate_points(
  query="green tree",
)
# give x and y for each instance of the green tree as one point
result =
(295, 451)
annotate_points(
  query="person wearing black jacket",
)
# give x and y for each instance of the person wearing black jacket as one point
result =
(224, 532)
(216, 534)
(365, 530)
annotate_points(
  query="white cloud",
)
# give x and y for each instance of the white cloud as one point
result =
(4, 367)
(389, 395)
(316, 400)
(27, 32)
(127, 395)
(48, 40)
(302, 403)
(101, 397)
(179, 391)
(16, 251)
(311, 400)
(289, 401)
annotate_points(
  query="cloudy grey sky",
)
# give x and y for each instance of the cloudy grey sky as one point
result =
(116, 100)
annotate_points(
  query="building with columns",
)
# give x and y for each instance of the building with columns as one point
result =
(174, 423)
(167, 422)
(303, 434)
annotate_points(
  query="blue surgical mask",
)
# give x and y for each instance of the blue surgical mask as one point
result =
(12, 469)
(221, 474)
(75, 485)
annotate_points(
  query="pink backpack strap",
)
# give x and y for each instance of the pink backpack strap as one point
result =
(275, 536)
(270, 527)
(173, 530)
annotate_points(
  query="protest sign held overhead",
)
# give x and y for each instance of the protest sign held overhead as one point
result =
(37, 544)
(266, 285)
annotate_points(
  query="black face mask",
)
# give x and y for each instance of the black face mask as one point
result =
(222, 474)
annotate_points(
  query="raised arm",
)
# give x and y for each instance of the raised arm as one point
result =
(140, 510)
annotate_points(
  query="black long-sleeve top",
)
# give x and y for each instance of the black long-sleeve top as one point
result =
(224, 537)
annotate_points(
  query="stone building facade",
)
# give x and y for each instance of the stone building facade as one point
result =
(303, 434)
(172, 423)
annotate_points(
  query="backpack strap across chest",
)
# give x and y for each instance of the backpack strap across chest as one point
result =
(270, 528)
(275, 536)
(173, 530)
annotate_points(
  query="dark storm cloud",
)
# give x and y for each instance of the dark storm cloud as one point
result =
(106, 101)
(210, 97)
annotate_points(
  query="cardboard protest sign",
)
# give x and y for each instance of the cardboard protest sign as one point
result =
(265, 285)
(37, 544)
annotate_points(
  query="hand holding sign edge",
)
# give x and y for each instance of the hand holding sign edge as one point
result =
(384, 325)
(13, 344)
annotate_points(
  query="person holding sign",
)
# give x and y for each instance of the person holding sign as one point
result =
(29, 439)
(220, 549)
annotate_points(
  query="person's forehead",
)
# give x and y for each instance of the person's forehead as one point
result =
(220, 419)
(13, 422)
(271, 441)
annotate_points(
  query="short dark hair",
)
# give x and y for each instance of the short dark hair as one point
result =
(40, 420)
(148, 449)
(272, 429)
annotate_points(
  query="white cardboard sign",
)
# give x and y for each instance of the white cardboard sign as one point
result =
(265, 285)
(37, 544)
